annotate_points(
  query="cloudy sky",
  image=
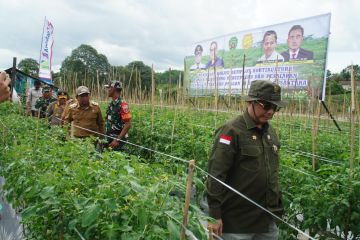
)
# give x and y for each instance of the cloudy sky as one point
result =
(159, 32)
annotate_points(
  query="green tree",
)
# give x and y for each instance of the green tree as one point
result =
(29, 66)
(346, 73)
(169, 76)
(138, 70)
(86, 63)
(333, 83)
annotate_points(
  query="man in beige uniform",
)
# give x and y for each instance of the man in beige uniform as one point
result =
(85, 114)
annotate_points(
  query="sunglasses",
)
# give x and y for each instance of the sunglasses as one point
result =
(268, 105)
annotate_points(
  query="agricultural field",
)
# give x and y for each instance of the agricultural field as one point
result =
(65, 189)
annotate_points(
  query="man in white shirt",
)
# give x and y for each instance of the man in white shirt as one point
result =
(269, 45)
(33, 95)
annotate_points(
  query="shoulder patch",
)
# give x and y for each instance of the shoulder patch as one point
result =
(94, 103)
(73, 105)
(225, 139)
(125, 107)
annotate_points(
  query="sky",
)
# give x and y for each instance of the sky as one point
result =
(159, 32)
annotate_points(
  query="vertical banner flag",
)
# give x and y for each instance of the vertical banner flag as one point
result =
(292, 54)
(47, 42)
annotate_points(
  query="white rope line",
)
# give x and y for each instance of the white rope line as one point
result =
(253, 202)
(300, 171)
(81, 237)
(317, 177)
(192, 108)
(133, 144)
(187, 231)
(206, 173)
(307, 154)
(221, 111)
(303, 153)
(216, 236)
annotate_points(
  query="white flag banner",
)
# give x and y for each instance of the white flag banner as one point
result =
(46, 52)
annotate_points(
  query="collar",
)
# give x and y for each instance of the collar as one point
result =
(116, 100)
(250, 123)
(79, 107)
(296, 52)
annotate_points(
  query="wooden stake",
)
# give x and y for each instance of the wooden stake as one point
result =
(152, 97)
(72, 129)
(210, 233)
(352, 120)
(98, 85)
(187, 198)
(315, 132)
(169, 87)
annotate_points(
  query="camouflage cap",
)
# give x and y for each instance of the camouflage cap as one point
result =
(115, 84)
(82, 90)
(266, 91)
(46, 88)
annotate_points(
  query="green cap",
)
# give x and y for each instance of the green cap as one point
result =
(46, 88)
(266, 91)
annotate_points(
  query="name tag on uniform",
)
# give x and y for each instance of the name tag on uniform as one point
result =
(225, 139)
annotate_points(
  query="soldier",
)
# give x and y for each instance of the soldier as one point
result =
(245, 156)
(118, 117)
(56, 109)
(43, 102)
(85, 114)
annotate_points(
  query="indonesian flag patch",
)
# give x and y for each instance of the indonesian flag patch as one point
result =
(225, 139)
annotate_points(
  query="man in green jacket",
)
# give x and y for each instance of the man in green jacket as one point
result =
(245, 156)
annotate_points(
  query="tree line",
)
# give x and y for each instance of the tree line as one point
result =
(86, 66)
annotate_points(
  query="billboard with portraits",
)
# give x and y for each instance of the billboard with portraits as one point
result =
(293, 54)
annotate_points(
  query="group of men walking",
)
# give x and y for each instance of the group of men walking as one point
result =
(82, 113)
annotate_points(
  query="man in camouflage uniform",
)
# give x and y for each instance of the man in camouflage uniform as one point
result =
(56, 109)
(43, 102)
(245, 155)
(118, 117)
(85, 114)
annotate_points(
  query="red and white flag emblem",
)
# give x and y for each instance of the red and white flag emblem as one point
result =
(225, 139)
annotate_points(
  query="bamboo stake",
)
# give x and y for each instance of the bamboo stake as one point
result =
(359, 139)
(98, 84)
(344, 106)
(210, 233)
(216, 90)
(315, 129)
(131, 73)
(72, 129)
(352, 120)
(37, 126)
(169, 87)
(243, 78)
(187, 198)
(152, 97)
(140, 87)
